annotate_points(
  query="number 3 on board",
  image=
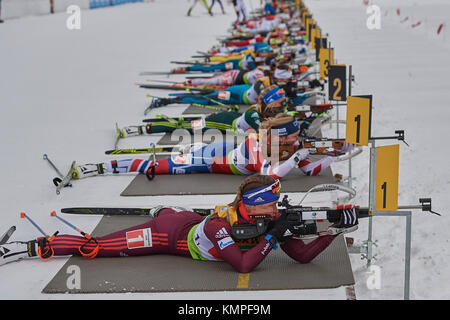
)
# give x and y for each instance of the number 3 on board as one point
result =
(386, 193)
(324, 58)
(359, 113)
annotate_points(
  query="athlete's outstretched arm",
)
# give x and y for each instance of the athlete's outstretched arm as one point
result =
(227, 249)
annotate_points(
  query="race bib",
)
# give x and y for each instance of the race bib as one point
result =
(198, 124)
(139, 238)
(224, 95)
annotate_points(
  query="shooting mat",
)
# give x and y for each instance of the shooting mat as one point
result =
(169, 139)
(206, 183)
(161, 273)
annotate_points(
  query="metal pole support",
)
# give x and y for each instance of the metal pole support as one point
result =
(408, 216)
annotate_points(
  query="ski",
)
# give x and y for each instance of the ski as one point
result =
(176, 87)
(305, 213)
(203, 76)
(187, 85)
(122, 211)
(157, 150)
(163, 118)
(5, 237)
(189, 62)
(61, 183)
(166, 73)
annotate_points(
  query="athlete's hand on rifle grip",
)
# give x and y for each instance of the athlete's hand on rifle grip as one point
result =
(300, 155)
(348, 221)
(347, 147)
(284, 229)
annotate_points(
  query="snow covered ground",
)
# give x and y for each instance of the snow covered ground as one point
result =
(406, 71)
(61, 92)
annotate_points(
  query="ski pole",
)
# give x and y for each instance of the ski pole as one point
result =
(53, 214)
(45, 157)
(89, 255)
(24, 216)
(228, 107)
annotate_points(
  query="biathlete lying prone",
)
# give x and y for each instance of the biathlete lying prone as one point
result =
(280, 134)
(185, 233)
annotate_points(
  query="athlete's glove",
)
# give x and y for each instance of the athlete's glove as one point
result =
(285, 227)
(347, 147)
(299, 155)
(348, 221)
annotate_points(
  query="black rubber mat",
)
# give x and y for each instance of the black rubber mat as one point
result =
(205, 183)
(166, 273)
(211, 136)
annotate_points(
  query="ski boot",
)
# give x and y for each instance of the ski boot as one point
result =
(155, 211)
(130, 131)
(17, 250)
(89, 170)
(159, 102)
(315, 84)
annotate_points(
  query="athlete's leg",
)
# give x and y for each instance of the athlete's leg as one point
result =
(225, 79)
(165, 234)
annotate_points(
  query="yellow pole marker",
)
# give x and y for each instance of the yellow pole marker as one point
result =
(315, 33)
(359, 114)
(324, 58)
(386, 193)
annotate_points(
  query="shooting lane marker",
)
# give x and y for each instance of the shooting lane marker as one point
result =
(243, 279)
(386, 190)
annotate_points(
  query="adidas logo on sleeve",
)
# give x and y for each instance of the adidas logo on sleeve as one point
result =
(222, 233)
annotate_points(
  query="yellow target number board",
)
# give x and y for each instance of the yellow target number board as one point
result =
(315, 33)
(386, 192)
(359, 117)
(324, 58)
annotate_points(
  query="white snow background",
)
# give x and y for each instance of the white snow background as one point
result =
(61, 92)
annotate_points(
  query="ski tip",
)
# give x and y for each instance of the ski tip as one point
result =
(23, 215)
(45, 157)
(53, 213)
